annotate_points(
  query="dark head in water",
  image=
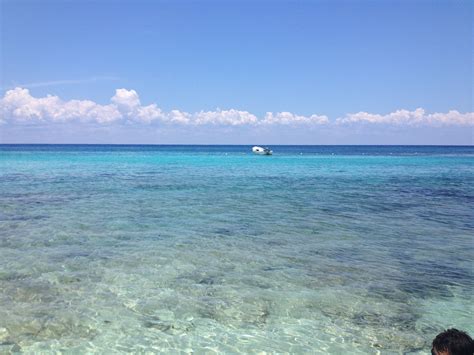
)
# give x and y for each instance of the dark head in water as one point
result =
(452, 342)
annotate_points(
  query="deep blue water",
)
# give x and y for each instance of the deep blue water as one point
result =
(339, 249)
(245, 149)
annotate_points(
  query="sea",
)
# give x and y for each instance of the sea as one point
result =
(211, 249)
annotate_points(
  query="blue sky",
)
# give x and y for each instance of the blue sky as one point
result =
(330, 59)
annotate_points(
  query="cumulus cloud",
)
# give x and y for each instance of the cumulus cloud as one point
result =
(126, 100)
(176, 116)
(225, 117)
(290, 118)
(418, 117)
(18, 105)
(149, 113)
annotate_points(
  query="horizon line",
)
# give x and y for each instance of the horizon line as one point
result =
(224, 145)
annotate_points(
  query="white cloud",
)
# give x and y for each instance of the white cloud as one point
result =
(225, 117)
(126, 100)
(176, 116)
(63, 82)
(149, 113)
(18, 105)
(290, 118)
(417, 117)
(128, 103)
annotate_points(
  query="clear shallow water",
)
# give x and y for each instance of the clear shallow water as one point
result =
(211, 249)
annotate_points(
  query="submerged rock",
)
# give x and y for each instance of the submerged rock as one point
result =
(171, 327)
(3, 333)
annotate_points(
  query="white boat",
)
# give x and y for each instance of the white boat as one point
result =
(261, 150)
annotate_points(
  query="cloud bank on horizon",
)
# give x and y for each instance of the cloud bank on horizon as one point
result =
(18, 106)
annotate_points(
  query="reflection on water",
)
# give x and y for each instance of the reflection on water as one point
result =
(154, 250)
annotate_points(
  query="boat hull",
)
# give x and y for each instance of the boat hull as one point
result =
(261, 151)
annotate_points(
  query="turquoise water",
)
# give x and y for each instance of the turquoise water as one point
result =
(213, 249)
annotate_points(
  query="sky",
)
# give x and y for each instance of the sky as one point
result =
(236, 72)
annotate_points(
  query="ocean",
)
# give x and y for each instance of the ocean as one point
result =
(211, 249)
